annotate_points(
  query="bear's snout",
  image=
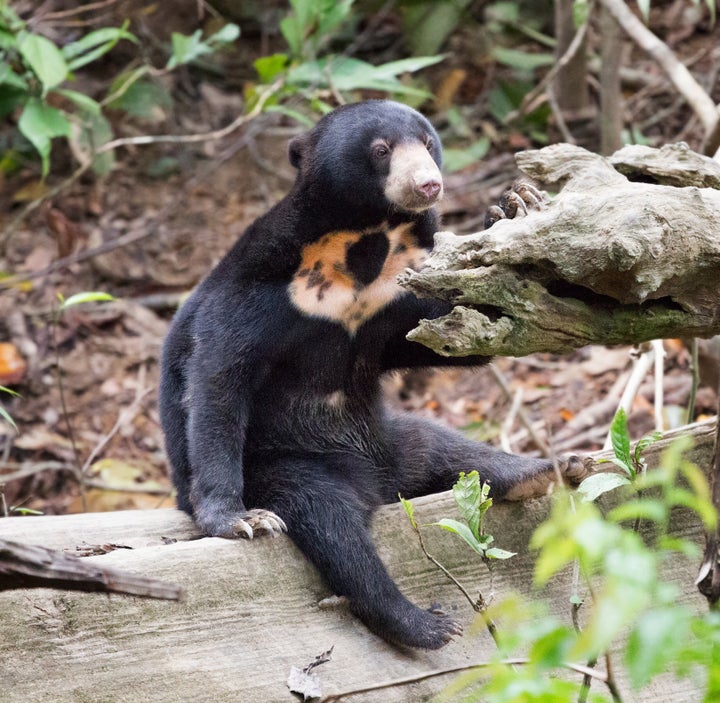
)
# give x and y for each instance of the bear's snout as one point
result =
(414, 182)
(429, 189)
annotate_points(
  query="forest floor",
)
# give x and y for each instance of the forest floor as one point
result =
(88, 378)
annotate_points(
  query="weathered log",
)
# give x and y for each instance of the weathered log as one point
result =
(607, 261)
(255, 609)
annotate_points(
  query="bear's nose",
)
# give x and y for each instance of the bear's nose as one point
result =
(429, 189)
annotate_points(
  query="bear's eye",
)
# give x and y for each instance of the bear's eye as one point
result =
(380, 151)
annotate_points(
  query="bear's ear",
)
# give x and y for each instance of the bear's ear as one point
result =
(296, 149)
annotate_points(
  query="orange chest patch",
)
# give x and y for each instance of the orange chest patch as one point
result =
(343, 280)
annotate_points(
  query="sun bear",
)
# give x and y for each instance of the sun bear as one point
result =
(270, 392)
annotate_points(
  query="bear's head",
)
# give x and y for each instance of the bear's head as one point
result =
(374, 158)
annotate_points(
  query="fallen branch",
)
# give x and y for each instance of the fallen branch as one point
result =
(32, 566)
(335, 697)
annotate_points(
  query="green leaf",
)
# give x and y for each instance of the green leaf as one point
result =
(703, 508)
(141, 98)
(9, 77)
(457, 159)
(497, 553)
(409, 509)
(347, 74)
(654, 643)
(462, 531)
(269, 67)
(392, 69)
(642, 508)
(597, 484)
(45, 59)
(521, 59)
(644, 443)
(468, 496)
(229, 33)
(293, 34)
(304, 120)
(94, 45)
(644, 7)
(86, 297)
(40, 124)
(620, 438)
(81, 100)
(25, 511)
(187, 48)
(85, 139)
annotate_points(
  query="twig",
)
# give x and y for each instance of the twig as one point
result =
(192, 138)
(334, 697)
(695, 380)
(657, 345)
(558, 115)
(30, 469)
(522, 415)
(698, 99)
(89, 7)
(479, 604)
(509, 421)
(33, 566)
(641, 366)
(55, 321)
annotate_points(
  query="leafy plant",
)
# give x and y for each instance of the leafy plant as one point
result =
(631, 610)
(34, 70)
(630, 461)
(473, 502)
(309, 68)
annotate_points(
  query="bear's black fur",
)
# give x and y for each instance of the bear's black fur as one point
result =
(270, 396)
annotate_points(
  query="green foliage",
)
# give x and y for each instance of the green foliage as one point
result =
(473, 502)
(631, 462)
(85, 297)
(628, 610)
(33, 70)
(309, 69)
(186, 49)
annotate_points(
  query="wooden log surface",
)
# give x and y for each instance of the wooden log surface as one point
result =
(253, 610)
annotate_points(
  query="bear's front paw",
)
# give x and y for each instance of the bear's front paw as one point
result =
(521, 196)
(241, 524)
